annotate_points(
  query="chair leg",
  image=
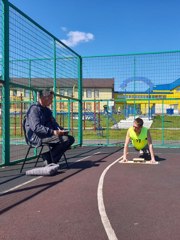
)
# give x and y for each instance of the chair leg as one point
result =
(38, 156)
(50, 153)
(25, 159)
(65, 159)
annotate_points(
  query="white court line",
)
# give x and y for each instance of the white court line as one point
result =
(34, 179)
(87, 157)
(102, 211)
(20, 185)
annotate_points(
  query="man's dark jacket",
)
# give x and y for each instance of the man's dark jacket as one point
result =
(40, 124)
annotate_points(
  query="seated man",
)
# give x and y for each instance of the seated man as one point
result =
(141, 140)
(41, 127)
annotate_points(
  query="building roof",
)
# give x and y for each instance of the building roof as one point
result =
(98, 83)
(65, 82)
(169, 86)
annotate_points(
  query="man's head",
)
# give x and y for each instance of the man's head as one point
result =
(137, 125)
(46, 97)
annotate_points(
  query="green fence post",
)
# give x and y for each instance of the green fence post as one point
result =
(134, 88)
(107, 125)
(30, 73)
(69, 114)
(80, 135)
(6, 87)
(54, 82)
(35, 95)
(162, 122)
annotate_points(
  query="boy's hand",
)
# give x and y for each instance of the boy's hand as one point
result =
(152, 161)
(124, 159)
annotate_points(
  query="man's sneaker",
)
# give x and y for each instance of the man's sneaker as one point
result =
(46, 161)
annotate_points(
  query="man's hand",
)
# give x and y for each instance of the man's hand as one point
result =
(60, 132)
(66, 132)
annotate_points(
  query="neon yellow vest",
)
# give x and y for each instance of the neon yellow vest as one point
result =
(138, 141)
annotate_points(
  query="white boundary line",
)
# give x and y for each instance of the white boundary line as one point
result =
(87, 157)
(20, 185)
(34, 179)
(145, 162)
(102, 211)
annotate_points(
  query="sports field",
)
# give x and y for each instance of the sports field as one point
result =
(96, 198)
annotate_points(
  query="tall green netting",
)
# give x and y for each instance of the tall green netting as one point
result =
(146, 85)
(1, 20)
(39, 60)
(1, 37)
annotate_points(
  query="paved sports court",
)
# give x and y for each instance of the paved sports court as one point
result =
(96, 198)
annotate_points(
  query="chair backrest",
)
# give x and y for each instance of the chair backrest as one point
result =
(24, 130)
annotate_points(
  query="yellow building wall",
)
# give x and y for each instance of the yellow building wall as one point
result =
(104, 94)
(155, 100)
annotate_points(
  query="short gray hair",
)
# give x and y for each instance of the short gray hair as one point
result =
(45, 93)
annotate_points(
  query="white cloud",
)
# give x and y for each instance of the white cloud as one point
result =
(64, 29)
(76, 37)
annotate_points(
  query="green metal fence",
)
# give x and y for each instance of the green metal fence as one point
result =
(145, 85)
(109, 127)
(32, 59)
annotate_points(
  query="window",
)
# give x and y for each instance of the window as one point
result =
(89, 106)
(96, 106)
(69, 92)
(61, 92)
(88, 93)
(14, 92)
(26, 93)
(96, 93)
(61, 106)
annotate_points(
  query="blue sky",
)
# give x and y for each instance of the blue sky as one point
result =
(103, 27)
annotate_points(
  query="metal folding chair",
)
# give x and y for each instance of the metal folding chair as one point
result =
(41, 149)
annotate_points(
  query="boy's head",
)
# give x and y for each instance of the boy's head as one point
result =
(137, 125)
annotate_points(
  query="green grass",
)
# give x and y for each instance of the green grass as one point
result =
(157, 132)
(166, 122)
(163, 127)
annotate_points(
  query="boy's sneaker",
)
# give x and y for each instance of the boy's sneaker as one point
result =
(145, 154)
(147, 151)
(141, 152)
(144, 151)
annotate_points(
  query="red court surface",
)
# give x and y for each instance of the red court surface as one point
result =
(96, 198)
